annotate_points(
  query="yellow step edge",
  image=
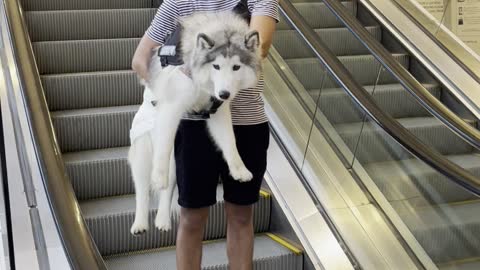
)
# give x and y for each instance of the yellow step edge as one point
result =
(264, 193)
(462, 261)
(450, 204)
(285, 243)
(462, 202)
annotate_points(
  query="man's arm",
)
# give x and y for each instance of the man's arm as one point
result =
(164, 21)
(265, 25)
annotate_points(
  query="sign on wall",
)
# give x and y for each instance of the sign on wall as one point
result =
(466, 22)
(435, 7)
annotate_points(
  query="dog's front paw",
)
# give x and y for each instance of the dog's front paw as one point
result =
(159, 179)
(139, 227)
(162, 221)
(241, 173)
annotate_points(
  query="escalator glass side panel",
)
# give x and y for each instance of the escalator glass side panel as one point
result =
(440, 214)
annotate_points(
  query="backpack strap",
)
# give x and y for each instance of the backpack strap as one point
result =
(242, 9)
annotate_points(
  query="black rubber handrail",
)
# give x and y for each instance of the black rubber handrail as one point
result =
(363, 99)
(411, 84)
(81, 251)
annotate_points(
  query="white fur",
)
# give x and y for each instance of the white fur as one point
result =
(151, 154)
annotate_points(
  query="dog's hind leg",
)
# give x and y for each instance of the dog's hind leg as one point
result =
(221, 129)
(166, 124)
(139, 157)
(164, 213)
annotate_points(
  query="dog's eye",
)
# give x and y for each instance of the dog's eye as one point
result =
(236, 67)
(217, 67)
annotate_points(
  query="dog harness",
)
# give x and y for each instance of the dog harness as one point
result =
(170, 54)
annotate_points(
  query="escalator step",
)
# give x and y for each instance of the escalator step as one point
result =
(411, 180)
(99, 173)
(93, 128)
(391, 97)
(317, 15)
(29, 5)
(268, 255)
(364, 69)
(84, 55)
(88, 24)
(447, 232)
(340, 40)
(92, 89)
(375, 145)
(109, 221)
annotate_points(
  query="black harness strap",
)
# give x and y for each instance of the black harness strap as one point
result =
(205, 113)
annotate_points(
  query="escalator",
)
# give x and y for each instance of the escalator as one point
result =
(441, 214)
(83, 51)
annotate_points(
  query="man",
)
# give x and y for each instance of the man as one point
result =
(199, 164)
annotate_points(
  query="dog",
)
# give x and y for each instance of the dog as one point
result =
(222, 56)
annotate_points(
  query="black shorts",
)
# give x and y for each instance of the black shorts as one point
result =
(200, 164)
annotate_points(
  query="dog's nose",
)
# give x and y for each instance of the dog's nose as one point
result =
(224, 94)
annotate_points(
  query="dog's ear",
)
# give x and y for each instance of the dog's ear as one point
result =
(204, 42)
(252, 40)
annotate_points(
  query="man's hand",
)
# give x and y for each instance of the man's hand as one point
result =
(143, 55)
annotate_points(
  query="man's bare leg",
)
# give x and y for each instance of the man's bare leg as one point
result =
(239, 236)
(189, 238)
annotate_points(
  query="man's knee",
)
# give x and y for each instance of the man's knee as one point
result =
(239, 216)
(193, 219)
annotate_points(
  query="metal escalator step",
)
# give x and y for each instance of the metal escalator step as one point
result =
(393, 98)
(340, 40)
(109, 221)
(411, 181)
(375, 145)
(94, 128)
(29, 5)
(447, 232)
(99, 173)
(92, 89)
(84, 55)
(317, 15)
(88, 24)
(268, 255)
(364, 69)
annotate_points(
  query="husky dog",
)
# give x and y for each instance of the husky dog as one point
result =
(221, 53)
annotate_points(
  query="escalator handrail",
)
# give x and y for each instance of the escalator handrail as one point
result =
(468, 69)
(363, 99)
(407, 80)
(81, 251)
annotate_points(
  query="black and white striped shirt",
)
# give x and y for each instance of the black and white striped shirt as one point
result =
(247, 107)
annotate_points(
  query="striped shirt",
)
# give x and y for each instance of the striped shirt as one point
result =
(247, 107)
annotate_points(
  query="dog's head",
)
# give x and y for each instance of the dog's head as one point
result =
(226, 62)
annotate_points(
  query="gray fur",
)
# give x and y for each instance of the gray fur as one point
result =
(230, 36)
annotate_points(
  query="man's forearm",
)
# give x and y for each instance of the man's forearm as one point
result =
(265, 25)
